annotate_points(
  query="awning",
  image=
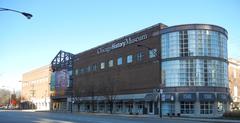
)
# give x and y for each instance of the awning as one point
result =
(209, 97)
(168, 97)
(222, 97)
(150, 97)
(187, 97)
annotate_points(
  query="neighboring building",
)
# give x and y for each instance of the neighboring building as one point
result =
(189, 62)
(35, 92)
(61, 82)
(234, 82)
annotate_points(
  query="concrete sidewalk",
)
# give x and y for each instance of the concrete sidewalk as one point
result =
(214, 120)
(208, 120)
(29, 110)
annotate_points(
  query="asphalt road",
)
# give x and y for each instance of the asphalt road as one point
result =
(48, 117)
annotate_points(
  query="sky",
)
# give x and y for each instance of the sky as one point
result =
(78, 25)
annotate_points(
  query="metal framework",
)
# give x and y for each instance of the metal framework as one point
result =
(63, 60)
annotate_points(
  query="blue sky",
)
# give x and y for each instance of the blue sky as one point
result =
(78, 25)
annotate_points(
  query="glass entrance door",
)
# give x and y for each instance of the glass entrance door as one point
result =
(150, 107)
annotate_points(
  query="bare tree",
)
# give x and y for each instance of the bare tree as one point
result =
(109, 89)
(91, 91)
(4, 97)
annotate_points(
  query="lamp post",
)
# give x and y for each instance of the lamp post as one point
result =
(27, 15)
(160, 90)
(172, 99)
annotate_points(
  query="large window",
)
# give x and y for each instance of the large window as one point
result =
(206, 107)
(194, 43)
(119, 61)
(187, 107)
(129, 59)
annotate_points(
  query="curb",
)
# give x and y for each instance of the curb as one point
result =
(156, 116)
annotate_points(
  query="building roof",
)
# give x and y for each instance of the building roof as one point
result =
(234, 61)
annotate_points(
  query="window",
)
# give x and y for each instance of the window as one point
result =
(94, 67)
(129, 59)
(140, 56)
(81, 70)
(206, 107)
(88, 69)
(110, 63)
(76, 72)
(187, 107)
(102, 65)
(119, 61)
(119, 106)
(152, 53)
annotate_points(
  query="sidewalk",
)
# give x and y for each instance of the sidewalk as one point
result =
(34, 110)
(215, 120)
(29, 110)
(208, 120)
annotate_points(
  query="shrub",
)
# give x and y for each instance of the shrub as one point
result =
(232, 114)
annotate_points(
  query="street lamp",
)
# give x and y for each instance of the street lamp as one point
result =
(27, 15)
(160, 91)
(172, 99)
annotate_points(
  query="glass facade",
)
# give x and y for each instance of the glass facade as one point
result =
(195, 72)
(194, 43)
(184, 70)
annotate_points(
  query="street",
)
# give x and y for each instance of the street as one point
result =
(48, 117)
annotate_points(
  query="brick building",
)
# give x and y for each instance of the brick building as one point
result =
(187, 64)
(35, 92)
